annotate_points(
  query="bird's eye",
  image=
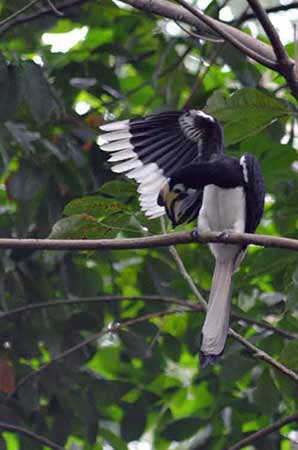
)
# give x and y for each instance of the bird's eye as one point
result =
(179, 188)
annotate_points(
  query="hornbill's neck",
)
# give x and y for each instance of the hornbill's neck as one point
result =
(225, 172)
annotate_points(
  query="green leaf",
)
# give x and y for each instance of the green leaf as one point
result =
(135, 344)
(192, 400)
(25, 184)
(288, 357)
(134, 420)
(182, 429)
(10, 90)
(2, 444)
(245, 112)
(95, 205)
(266, 396)
(38, 93)
(22, 135)
(80, 226)
(247, 73)
(108, 393)
(115, 442)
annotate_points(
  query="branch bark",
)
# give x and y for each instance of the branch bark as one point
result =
(162, 240)
(264, 432)
(89, 340)
(219, 27)
(36, 437)
(273, 9)
(21, 19)
(164, 8)
(286, 66)
(183, 303)
(260, 354)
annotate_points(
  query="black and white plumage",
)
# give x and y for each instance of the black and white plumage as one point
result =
(178, 160)
(152, 148)
(233, 200)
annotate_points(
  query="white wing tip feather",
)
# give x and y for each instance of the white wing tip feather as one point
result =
(115, 126)
(149, 176)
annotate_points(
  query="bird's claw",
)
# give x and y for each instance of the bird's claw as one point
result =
(224, 234)
(195, 233)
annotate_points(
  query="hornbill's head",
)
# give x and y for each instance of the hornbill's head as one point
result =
(176, 197)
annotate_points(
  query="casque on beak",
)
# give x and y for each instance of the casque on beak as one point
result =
(166, 197)
(170, 200)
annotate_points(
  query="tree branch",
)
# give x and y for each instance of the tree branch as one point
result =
(18, 13)
(286, 66)
(36, 437)
(32, 307)
(182, 269)
(10, 315)
(162, 240)
(259, 51)
(260, 354)
(111, 329)
(273, 36)
(264, 432)
(202, 74)
(219, 27)
(20, 19)
(273, 9)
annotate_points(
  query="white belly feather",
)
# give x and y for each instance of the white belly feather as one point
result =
(222, 210)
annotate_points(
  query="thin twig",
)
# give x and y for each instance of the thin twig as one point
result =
(56, 11)
(199, 81)
(110, 329)
(168, 9)
(264, 432)
(202, 74)
(32, 307)
(182, 268)
(273, 9)
(285, 65)
(192, 34)
(220, 29)
(18, 13)
(35, 437)
(273, 36)
(27, 18)
(10, 315)
(260, 354)
(265, 325)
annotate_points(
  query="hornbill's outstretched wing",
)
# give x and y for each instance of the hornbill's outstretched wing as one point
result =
(152, 148)
(233, 200)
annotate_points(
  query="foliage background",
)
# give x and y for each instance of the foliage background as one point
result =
(140, 388)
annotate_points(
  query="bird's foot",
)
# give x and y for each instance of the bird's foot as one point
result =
(195, 234)
(208, 360)
(224, 234)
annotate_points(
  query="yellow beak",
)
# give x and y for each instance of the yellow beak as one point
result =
(168, 199)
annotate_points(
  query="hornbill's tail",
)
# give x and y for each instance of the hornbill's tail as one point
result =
(216, 325)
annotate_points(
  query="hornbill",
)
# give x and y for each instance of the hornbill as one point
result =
(178, 159)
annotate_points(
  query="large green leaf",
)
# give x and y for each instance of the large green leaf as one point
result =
(38, 93)
(11, 90)
(288, 357)
(179, 430)
(246, 112)
(113, 439)
(110, 392)
(95, 205)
